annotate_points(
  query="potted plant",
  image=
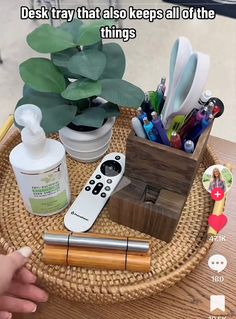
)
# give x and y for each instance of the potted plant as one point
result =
(79, 88)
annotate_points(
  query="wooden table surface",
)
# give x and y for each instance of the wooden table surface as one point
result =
(188, 299)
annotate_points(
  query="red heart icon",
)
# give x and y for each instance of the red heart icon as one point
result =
(217, 222)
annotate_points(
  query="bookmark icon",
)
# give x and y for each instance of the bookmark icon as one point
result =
(217, 302)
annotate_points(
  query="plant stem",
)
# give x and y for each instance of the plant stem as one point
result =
(90, 102)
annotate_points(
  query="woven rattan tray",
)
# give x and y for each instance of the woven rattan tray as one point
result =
(170, 262)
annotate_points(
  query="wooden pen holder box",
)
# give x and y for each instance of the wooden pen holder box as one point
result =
(161, 179)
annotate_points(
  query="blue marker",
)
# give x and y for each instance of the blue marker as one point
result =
(141, 114)
(200, 128)
(159, 127)
(148, 127)
(189, 146)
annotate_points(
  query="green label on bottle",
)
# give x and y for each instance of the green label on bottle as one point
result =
(50, 204)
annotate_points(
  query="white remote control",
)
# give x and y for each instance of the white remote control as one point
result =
(91, 200)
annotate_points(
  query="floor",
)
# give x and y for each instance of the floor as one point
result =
(147, 55)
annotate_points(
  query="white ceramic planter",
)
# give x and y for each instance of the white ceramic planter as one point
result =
(87, 146)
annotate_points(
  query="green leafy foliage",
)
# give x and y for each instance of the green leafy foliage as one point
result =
(72, 27)
(90, 33)
(111, 109)
(88, 63)
(47, 39)
(57, 112)
(115, 61)
(93, 117)
(42, 75)
(77, 52)
(61, 60)
(97, 46)
(121, 92)
(82, 89)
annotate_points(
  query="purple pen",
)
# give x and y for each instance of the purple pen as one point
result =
(202, 114)
(159, 127)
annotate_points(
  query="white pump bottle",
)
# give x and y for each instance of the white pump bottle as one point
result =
(39, 164)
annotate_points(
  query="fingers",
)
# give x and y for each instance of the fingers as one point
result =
(5, 315)
(10, 264)
(30, 292)
(25, 276)
(18, 259)
(13, 304)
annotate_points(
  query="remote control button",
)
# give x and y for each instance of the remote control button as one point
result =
(97, 188)
(109, 181)
(117, 157)
(107, 188)
(92, 182)
(87, 188)
(98, 176)
(103, 195)
(111, 168)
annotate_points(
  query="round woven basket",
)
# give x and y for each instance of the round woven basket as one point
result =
(170, 262)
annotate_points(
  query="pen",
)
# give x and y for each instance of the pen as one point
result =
(175, 140)
(159, 127)
(204, 98)
(188, 125)
(215, 110)
(219, 104)
(154, 101)
(176, 124)
(146, 106)
(148, 127)
(189, 146)
(200, 127)
(141, 114)
(160, 92)
(138, 128)
(202, 113)
(6, 127)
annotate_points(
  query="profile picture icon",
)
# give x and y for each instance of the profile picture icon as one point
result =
(217, 177)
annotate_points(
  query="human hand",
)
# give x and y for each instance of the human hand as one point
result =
(18, 292)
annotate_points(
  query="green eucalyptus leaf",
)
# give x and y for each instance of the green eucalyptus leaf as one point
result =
(121, 92)
(88, 63)
(111, 109)
(40, 98)
(72, 27)
(47, 39)
(93, 117)
(42, 75)
(61, 59)
(82, 89)
(97, 46)
(115, 65)
(82, 104)
(69, 74)
(90, 33)
(55, 116)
